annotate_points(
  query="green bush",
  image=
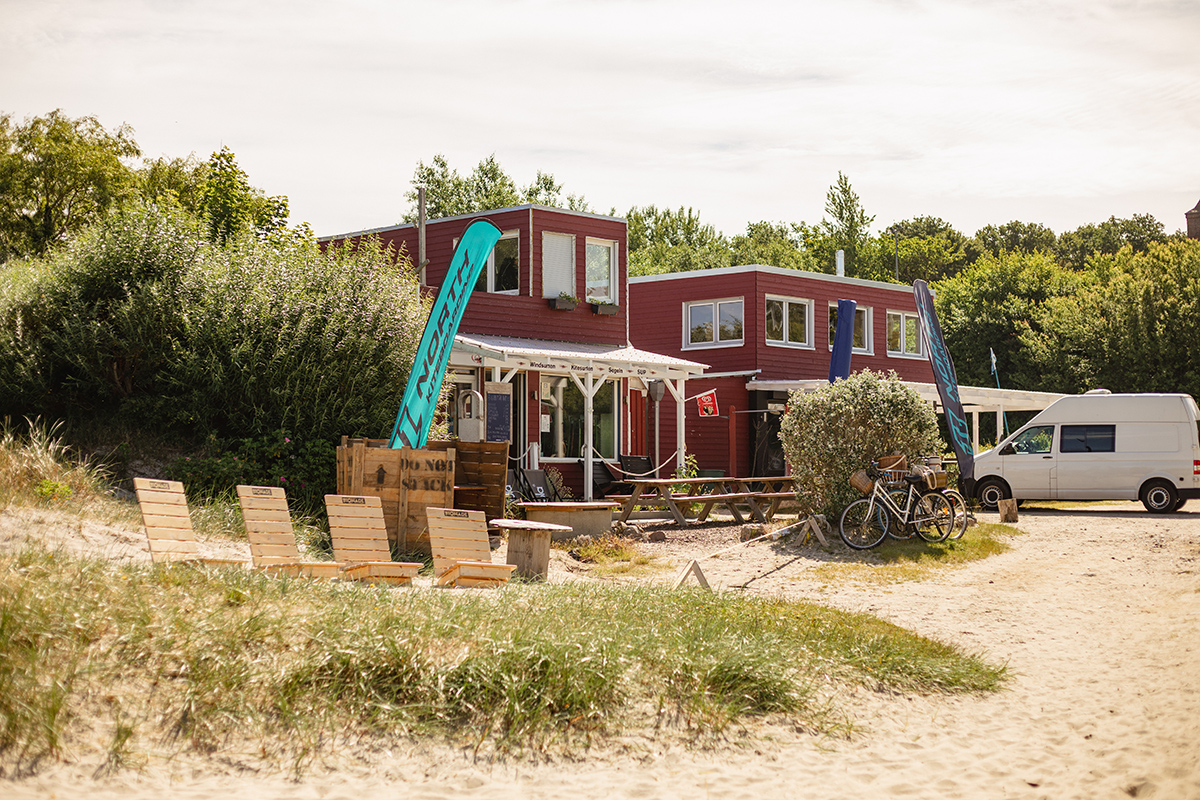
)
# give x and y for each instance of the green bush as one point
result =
(144, 321)
(306, 469)
(832, 432)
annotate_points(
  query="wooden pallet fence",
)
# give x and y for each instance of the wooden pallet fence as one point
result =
(406, 481)
(479, 473)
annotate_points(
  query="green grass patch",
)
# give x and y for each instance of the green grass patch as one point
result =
(914, 559)
(213, 661)
(611, 556)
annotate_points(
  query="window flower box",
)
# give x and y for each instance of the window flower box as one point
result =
(563, 302)
(604, 309)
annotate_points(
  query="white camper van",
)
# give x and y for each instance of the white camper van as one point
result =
(1099, 446)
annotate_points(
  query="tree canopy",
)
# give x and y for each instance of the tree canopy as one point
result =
(57, 175)
(449, 194)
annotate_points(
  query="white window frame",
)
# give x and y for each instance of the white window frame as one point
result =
(570, 268)
(688, 344)
(611, 246)
(903, 351)
(869, 325)
(808, 322)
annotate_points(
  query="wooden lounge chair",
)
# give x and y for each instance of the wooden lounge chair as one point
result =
(461, 555)
(169, 525)
(360, 541)
(272, 543)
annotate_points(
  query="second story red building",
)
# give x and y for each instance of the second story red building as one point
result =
(759, 328)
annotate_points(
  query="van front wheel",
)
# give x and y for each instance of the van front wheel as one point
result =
(1159, 497)
(990, 492)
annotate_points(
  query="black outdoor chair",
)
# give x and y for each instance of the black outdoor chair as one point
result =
(606, 479)
(535, 488)
(636, 467)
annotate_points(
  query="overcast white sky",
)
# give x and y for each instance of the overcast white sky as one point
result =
(977, 112)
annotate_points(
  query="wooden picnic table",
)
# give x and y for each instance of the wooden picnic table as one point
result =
(710, 492)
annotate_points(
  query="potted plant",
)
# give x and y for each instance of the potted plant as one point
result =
(564, 302)
(604, 308)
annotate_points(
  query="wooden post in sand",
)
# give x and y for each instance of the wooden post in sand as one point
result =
(1008, 510)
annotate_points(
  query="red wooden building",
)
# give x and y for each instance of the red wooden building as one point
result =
(761, 330)
(542, 357)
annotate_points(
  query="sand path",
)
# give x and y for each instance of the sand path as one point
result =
(1096, 611)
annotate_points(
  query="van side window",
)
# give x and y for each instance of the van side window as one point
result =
(1034, 440)
(1088, 439)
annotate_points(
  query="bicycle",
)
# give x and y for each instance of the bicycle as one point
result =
(866, 522)
(958, 505)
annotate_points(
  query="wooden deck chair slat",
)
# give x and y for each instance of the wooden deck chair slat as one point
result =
(360, 541)
(169, 533)
(461, 554)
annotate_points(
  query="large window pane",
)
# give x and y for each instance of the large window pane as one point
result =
(563, 410)
(912, 335)
(895, 333)
(599, 271)
(798, 323)
(506, 260)
(775, 320)
(731, 321)
(700, 323)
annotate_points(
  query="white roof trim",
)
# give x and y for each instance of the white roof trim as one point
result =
(601, 360)
(974, 398)
(750, 268)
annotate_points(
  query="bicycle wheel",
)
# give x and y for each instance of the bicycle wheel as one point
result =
(958, 504)
(863, 525)
(897, 529)
(933, 517)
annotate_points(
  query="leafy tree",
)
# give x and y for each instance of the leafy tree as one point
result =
(58, 174)
(1012, 237)
(1129, 327)
(928, 248)
(449, 194)
(846, 227)
(838, 429)
(662, 240)
(229, 205)
(773, 244)
(994, 303)
(1075, 247)
(178, 180)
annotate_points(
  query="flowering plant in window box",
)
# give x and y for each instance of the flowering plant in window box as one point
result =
(604, 308)
(564, 302)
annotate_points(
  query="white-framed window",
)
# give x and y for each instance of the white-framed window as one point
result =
(562, 415)
(862, 328)
(904, 334)
(558, 264)
(502, 274)
(600, 274)
(713, 323)
(789, 321)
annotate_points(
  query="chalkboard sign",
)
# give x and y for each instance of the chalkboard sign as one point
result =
(499, 412)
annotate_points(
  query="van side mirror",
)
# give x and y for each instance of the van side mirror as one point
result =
(1007, 450)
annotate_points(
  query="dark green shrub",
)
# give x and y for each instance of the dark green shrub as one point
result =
(832, 432)
(305, 468)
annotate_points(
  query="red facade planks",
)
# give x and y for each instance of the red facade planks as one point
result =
(657, 320)
(527, 313)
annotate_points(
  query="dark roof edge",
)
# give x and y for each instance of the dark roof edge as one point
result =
(472, 215)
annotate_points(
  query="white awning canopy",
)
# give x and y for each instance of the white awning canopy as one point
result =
(578, 358)
(975, 399)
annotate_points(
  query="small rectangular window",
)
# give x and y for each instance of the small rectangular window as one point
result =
(787, 321)
(1087, 439)
(903, 333)
(558, 264)
(862, 328)
(601, 271)
(713, 323)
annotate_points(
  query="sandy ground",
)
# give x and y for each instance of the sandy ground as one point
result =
(1096, 610)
